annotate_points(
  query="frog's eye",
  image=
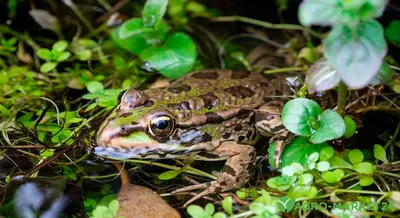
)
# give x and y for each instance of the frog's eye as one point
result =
(161, 126)
(120, 95)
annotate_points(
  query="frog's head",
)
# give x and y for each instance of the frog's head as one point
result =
(141, 128)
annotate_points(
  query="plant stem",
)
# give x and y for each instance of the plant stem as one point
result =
(266, 24)
(284, 70)
(342, 99)
(78, 13)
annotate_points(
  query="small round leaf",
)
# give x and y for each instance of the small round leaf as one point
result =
(380, 153)
(297, 113)
(227, 205)
(364, 167)
(332, 126)
(356, 156)
(60, 46)
(95, 87)
(326, 153)
(47, 67)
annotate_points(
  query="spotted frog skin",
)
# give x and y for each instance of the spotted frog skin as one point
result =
(207, 115)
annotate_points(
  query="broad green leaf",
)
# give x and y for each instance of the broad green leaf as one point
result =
(324, 12)
(44, 54)
(333, 12)
(295, 152)
(326, 153)
(60, 46)
(356, 54)
(169, 174)
(366, 180)
(227, 205)
(321, 76)
(281, 182)
(332, 126)
(350, 127)
(364, 168)
(134, 37)
(153, 12)
(95, 87)
(380, 153)
(175, 58)
(63, 56)
(209, 208)
(392, 32)
(300, 115)
(356, 156)
(47, 67)
(384, 75)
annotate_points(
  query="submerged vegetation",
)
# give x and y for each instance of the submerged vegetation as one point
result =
(64, 63)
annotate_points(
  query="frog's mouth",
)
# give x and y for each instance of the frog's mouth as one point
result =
(142, 153)
(137, 145)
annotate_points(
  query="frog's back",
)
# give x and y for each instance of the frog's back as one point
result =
(216, 90)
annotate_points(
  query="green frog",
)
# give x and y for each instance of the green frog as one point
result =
(208, 115)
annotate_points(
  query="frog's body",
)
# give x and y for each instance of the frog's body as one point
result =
(206, 115)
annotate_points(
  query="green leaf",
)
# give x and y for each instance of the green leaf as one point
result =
(292, 169)
(219, 215)
(84, 55)
(356, 156)
(392, 32)
(4, 111)
(350, 127)
(60, 46)
(364, 168)
(44, 54)
(332, 176)
(95, 87)
(169, 174)
(302, 191)
(63, 56)
(299, 115)
(332, 126)
(321, 76)
(210, 209)
(227, 205)
(380, 153)
(281, 183)
(305, 179)
(310, 13)
(114, 206)
(175, 58)
(47, 67)
(356, 54)
(134, 37)
(296, 151)
(331, 12)
(384, 75)
(339, 162)
(366, 180)
(326, 153)
(323, 166)
(153, 12)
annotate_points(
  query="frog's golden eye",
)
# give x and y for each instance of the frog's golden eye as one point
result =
(161, 126)
(120, 95)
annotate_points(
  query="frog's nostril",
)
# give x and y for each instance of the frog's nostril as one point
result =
(124, 129)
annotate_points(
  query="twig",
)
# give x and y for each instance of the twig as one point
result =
(266, 24)
(342, 99)
(284, 70)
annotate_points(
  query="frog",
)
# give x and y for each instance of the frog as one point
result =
(207, 115)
